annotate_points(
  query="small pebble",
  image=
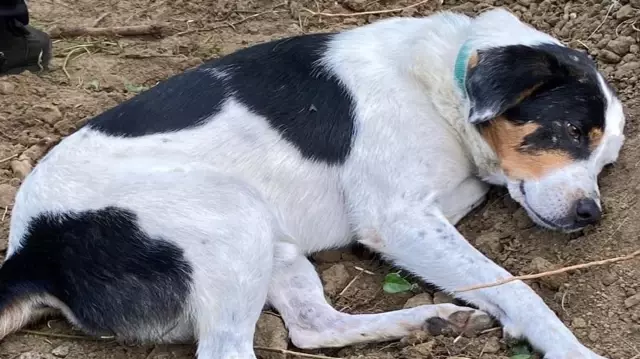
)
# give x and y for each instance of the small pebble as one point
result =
(61, 351)
(578, 322)
(442, 297)
(492, 346)
(271, 332)
(625, 12)
(21, 168)
(608, 56)
(539, 264)
(632, 301)
(7, 88)
(418, 300)
(335, 278)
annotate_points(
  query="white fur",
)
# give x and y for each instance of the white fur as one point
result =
(244, 204)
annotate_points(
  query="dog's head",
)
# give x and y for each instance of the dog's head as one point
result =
(547, 113)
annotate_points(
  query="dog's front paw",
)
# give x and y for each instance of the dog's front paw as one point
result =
(452, 319)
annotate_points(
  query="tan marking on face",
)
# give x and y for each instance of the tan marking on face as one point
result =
(506, 139)
(473, 60)
(595, 137)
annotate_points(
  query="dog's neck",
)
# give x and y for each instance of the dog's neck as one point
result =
(482, 154)
(444, 82)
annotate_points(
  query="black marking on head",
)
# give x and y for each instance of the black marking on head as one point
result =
(114, 278)
(281, 80)
(505, 76)
(552, 86)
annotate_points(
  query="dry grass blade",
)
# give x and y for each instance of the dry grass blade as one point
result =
(377, 12)
(8, 158)
(65, 336)
(295, 354)
(550, 273)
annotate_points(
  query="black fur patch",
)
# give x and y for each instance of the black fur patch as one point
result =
(114, 278)
(180, 102)
(552, 86)
(280, 80)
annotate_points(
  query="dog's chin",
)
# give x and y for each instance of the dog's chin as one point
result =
(519, 195)
(550, 224)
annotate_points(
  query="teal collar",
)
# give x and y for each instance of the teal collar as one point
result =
(460, 67)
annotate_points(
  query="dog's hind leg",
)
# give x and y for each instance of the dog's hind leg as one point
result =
(296, 292)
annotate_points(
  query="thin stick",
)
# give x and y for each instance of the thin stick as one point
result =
(100, 18)
(603, 20)
(66, 61)
(350, 283)
(298, 354)
(378, 12)
(133, 30)
(8, 158)
(4, 214)
(65, 336)
(549, 273)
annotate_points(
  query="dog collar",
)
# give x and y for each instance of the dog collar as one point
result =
(460, 67)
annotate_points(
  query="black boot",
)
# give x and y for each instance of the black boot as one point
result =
(22, 48)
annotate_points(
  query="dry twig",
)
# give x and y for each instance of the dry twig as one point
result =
(100, 18)
(365, 13)
(298, 354)
(8, 158)
(549, 273)
(133, 30)
(65, 336)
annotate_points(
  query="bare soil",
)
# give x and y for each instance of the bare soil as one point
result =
(91, 74)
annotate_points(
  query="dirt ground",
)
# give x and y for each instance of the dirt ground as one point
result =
(91, 74)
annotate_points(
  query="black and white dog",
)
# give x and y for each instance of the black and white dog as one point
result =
(180, 213)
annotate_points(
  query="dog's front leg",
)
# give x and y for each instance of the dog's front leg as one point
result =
(421, 240)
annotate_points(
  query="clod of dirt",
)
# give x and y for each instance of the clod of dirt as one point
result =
(624, 13)
(335, 278)
(522, 219)
(555, 281)
(632, 301)
(33, 153)
(35, 355)
(578, 323)
(21, 168)
(424, 350)
(330, 256)
(7, 194)
(47, 113)
(271, 333)
(492, 345)
(416, 337)
(608, 56)
(418, 300)
(355, 5)
(7, 88)
(442, 297)
(489, 243)
(608, 278)
(621, 45)
(61, 351)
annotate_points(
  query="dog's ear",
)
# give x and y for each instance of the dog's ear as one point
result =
(499, 78)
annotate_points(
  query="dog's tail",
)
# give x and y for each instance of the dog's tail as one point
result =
(22, 300)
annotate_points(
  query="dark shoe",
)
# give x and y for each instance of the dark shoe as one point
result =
(23, 48)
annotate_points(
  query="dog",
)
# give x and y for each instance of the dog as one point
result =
(179, 214)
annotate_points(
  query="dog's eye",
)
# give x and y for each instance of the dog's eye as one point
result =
(573, 131)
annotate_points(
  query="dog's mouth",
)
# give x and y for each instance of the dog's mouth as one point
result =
(541, 220)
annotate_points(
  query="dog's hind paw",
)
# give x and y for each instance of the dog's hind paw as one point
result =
(455, 320)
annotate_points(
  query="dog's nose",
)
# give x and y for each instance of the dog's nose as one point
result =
(588, 211)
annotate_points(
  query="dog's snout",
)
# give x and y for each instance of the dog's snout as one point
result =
(588, 211)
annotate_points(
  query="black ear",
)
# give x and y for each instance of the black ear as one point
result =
(501, 77)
